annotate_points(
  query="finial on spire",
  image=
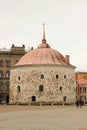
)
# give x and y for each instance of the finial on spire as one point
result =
(43, 40)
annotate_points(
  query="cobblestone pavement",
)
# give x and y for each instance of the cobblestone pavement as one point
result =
(43, 118)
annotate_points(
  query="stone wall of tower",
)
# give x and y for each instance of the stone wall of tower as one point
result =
(58, 81)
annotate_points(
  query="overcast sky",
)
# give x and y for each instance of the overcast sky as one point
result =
(65, 26)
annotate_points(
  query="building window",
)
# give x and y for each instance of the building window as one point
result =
(41, 88)
(8, 63)
(80, 89)
(7, 86)
(1, 74)
(1, 63)
(7, 99)
(57, 76)
(19, 78)
(84, 89)
(18, 89)
(64, 76)
(8, 74)
(42, 76)
(1, 86)
(76, 89)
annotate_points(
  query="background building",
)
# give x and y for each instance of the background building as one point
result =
(81, 85)
(8, 58)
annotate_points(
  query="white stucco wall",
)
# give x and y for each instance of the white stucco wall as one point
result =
(30, 79)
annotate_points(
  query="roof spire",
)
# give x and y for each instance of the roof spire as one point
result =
(43, 31)
(43, 40)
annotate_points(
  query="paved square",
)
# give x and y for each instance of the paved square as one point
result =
(43, 118)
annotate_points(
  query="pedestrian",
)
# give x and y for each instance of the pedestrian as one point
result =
(81, 103)
(77, 103)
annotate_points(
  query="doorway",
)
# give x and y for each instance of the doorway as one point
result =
(33, 98)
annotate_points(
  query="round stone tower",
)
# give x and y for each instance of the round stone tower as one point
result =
(42, 75)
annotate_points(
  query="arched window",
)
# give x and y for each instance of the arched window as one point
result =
(1, 74)
(1, 85)
(8, 74)
(41, 88)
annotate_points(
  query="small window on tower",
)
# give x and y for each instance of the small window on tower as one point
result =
(64, 76)
(19, 78)
(42, 76)
(41, 88)
(18, 89)
(61, 88)
(57, 76)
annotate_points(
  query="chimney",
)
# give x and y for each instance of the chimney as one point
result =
(67, 59)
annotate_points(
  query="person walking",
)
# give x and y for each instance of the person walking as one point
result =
(81, 102)
(77, 103)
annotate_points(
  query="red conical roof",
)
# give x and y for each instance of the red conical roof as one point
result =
(42, 55)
